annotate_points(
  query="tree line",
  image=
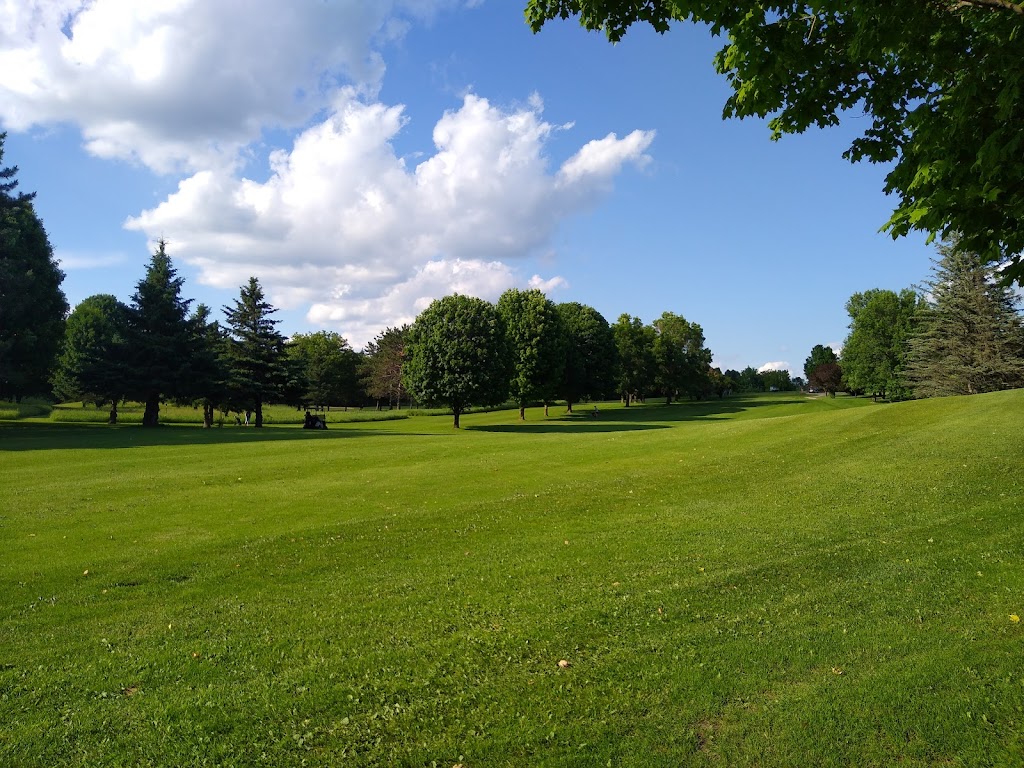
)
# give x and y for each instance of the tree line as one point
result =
(460, 352)
(960, 334)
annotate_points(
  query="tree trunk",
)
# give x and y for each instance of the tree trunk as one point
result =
(626, 398)
(457, 412)
(545, 409)
(151, 418)
(668, 399)
(568, 406)
(522, 412)
(207, 415)
(259, 413)
(112, 418)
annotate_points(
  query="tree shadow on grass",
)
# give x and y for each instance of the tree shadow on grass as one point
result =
(562, 426)
(643, 416)
(28, 436)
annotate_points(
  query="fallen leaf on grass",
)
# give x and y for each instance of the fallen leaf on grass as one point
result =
(1015, 618)
(837, 671)
(131, 690)
(564, 664)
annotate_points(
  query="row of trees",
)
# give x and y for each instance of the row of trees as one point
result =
(463, 351)
(153, 350)
(961, 334)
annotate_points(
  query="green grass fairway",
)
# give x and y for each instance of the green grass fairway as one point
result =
(772, 581)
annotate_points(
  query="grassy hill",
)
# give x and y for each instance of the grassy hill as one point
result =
(765, 581)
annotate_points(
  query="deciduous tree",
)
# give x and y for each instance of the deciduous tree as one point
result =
(591, 357)
(536, 343)
(827, 377)
(457, 355)
(820, 355)
(330, 367)
(93, 364)
(682, 362)
(635, 344)
(941, 83)
(875, 352)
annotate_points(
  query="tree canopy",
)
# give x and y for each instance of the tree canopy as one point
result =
(970, 338)
(536, 342)
(940, 81)
(330, 368)
(93, 362)
(591, 356)
(457, 356)
(820, 355)
(682, 362)
(32, 305)
(875, 352)
(635, 344)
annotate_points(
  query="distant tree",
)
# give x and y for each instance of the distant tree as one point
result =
(329, 366)
(819, 355)
(875, 352)
(260, 371)
(536, 343)
(970, 337)
(209, 384)
(162, 343)
(381, 368)
(681, 360)
(827, 377)
(777, 381)
(457, 355)
(32, 305)
(719, 383)
(591, 357)
(750, 380)
(798, 382)
(635, 344)
(92, 366)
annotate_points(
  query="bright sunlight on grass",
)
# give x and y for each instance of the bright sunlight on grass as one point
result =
(767, 581)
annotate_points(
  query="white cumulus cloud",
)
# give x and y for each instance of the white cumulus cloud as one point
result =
(345, 225)
(778, 365)
(188, 82)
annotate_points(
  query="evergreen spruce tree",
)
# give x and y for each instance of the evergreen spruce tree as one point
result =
(32, 305)
(209, 386)
(971, 337)
(163, 343)
(260, 371)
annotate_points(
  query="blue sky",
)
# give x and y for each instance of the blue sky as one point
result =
(361, 158)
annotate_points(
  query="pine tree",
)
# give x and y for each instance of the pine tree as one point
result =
(971, 337)
(381, 369)
(163, 344)
(259, 367)
(32, 305)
